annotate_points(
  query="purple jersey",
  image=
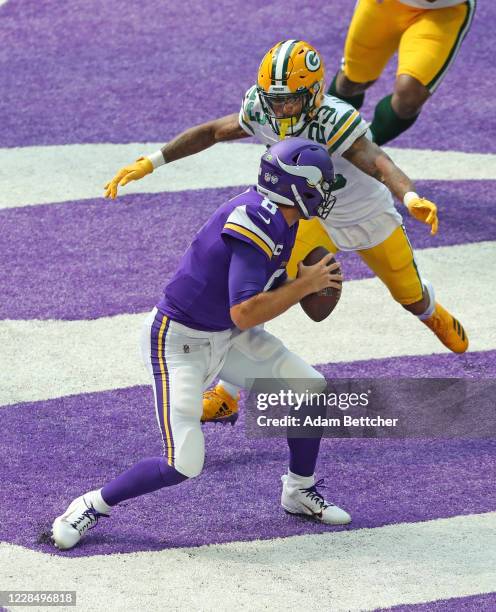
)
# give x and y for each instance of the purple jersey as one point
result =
(198, 293)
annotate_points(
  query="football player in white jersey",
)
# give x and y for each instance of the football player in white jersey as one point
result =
(289, 100)
(427, 34)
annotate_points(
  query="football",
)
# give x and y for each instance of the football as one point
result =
(318, 306)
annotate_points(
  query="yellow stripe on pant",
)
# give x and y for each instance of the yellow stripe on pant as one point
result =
(165, 388)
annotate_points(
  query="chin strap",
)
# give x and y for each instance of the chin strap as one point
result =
(297, 196)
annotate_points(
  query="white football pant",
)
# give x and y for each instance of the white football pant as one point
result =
(183, 362)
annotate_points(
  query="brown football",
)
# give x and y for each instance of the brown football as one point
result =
(318, 306)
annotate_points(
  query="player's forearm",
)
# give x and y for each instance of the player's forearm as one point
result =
(393, 177)
(267, 305)
(372, 160)
(189, 142)
(202, 136)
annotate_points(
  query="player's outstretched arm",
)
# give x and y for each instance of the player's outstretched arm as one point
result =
(372, 160)
(192, 140)
(267, 305)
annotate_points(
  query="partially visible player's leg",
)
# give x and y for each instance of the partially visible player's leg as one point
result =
(398, 111)
(431, 43)
(426, 51)
(373, 36)
(310, 235)
(345, 89)
(257, 355)
(393, 262)
(220, 404)
(177, 377)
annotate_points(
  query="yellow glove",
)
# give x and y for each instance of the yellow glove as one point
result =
(141, 167)
(422, 210)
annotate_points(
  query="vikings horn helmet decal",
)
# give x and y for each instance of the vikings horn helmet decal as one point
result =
(298, 172)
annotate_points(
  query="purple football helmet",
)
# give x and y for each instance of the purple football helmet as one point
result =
(298, 172)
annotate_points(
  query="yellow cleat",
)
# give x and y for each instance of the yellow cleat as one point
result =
(219, 406)
(448, 329)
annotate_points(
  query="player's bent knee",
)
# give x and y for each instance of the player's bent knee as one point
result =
(409, 96)
(190, 471)
(189, 453)
(189, 468)
(346, 87)
(297, 375)
(406, 109)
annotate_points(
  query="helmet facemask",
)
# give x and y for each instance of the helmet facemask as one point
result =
(277, 106)
(328, 200)
(324, 188)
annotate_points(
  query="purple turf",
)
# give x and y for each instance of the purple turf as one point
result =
(121, 72)
(80, 442)
(467, 365)
(473, 603)
(88, 259)
(92, 71)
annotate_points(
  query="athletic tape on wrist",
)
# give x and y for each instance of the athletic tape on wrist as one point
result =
(157, 159)
(409, 196)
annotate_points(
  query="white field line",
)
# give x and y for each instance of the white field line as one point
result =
(348, 570)
(47, 359)
(42, 175)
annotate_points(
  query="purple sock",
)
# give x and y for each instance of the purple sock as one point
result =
(303, 453)
(146, 476)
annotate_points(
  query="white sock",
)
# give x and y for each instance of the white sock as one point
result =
(295, 481)
(432, 301)
(95, 498)
(231, 389)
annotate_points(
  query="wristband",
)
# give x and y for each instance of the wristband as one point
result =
(157, 159)
(409, 196)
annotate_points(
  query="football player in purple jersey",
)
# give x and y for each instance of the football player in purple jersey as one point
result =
(231, 279)
(288, 100)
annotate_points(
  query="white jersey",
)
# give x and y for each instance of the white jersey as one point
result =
(359, 197)
(432, 4)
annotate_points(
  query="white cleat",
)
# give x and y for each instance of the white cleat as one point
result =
(69, 528)
(311, 503)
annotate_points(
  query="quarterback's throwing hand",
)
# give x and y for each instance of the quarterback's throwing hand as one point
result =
(425, 211)
(141, 167)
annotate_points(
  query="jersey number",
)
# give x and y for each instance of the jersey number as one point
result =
(269, 206)
(258, 117)
(317, 132)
